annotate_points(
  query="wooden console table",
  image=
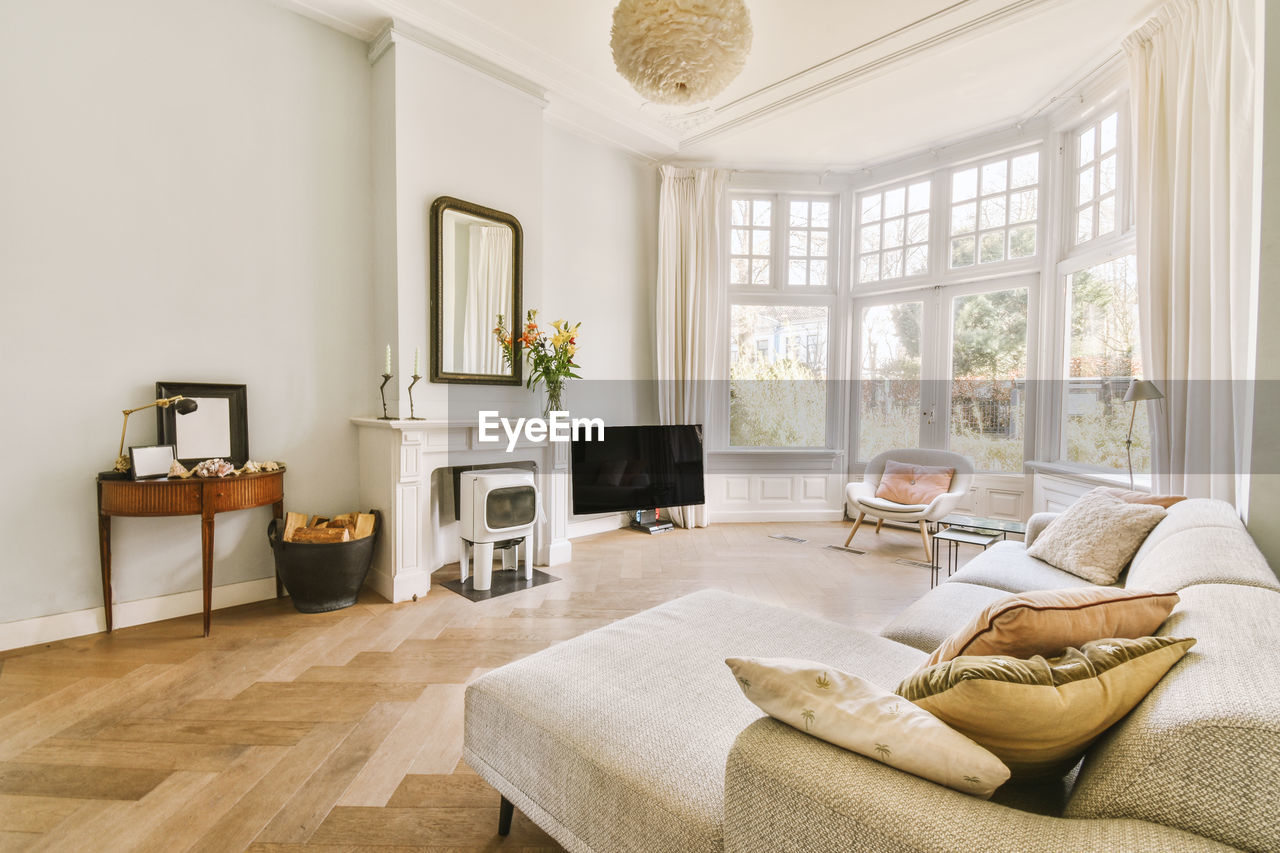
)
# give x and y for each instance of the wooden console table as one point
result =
(202, 497)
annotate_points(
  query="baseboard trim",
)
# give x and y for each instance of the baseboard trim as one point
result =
(592, 526)
(740, 516)
(79, 623)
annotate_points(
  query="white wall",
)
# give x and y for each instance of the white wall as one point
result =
(186, 196)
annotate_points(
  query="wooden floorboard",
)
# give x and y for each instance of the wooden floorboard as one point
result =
(342, 731)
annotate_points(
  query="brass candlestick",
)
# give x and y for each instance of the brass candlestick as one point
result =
(416, 377)
(382, 389)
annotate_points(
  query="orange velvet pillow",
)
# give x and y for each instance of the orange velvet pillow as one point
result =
(1047, 621)
(1129, 497)
(903, 483)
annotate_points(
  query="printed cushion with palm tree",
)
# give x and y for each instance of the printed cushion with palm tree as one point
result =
(855, 714)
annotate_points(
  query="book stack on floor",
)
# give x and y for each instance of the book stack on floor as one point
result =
(320, 529)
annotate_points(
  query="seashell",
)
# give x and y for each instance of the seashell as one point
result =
(269, 466)
(250, 467)
(178, 471)
(214, 468)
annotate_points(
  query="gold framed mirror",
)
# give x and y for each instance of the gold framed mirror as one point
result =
(476, 274)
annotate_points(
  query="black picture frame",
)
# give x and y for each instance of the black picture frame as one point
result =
(169, 422)
(140, 455)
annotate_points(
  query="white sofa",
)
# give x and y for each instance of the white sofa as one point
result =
(635, 737)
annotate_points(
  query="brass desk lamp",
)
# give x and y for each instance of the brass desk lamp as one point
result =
(182, 405)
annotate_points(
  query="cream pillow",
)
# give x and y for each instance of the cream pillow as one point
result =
(1038, 715)
(853, 713)
(1047, 621)
(1096, 537)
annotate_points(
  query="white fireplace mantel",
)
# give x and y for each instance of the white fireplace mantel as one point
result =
(404, 473)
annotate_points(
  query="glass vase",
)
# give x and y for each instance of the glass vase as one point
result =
(554, 399)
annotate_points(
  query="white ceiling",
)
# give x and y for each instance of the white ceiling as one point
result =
(829, 84)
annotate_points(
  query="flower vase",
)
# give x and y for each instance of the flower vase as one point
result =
(554, 400)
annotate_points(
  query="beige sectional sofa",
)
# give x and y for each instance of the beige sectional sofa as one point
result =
(636, 738)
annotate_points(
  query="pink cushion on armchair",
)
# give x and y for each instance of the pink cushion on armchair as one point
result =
(913, 484)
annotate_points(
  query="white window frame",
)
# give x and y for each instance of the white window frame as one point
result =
(1000, 267)
(855, 217)
(1124, 179)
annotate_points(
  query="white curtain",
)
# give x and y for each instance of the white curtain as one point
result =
(690, 303)
(1191, 70)
(488, 295)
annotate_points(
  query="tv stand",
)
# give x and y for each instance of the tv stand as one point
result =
(650, 521)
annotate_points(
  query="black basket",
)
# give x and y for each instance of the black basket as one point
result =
(323, 576)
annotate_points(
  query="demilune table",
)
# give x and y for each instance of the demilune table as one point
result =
(196, 496)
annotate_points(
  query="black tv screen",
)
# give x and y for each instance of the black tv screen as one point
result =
(637, 467)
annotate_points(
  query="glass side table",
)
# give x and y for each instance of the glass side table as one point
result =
(957, 530)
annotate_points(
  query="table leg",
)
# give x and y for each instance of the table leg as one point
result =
(936, 565)
(277, 512)
(206, 556)
(104, 551)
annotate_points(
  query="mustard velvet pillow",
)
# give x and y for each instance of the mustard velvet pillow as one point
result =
(1096, 537)
(855, 714)
(1038, 715)
(1045, 622)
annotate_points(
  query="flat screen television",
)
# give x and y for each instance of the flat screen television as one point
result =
(637, 467)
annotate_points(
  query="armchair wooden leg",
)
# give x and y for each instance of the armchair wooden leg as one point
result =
(879, 523)
(861, 516)
(505, 812)
(924, 536)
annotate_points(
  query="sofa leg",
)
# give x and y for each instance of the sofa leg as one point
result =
(505, 811)
(861, 516)
(924, 536)
(879, 523)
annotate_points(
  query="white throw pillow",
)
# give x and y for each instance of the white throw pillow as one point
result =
(853, 713)
(1097, 536)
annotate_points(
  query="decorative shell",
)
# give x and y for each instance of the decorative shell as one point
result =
(214, 468)
(680, 51)
(178, 471)
(251, 467)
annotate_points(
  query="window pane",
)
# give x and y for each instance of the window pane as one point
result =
(964, 185)
(760, 271)
(820, 212)
(894, 231)
(740, 243)
(796, 272)
(1107, 175)
(869, 268)
(992, 212)
(1107, 133)
(918, 228)
(1105, 355)
(799, 214)
(1084, 224)
(918, 197)
(741, 211)
(889, 378)
(995, 177)
(962, 252)
(799, 244)
(818, 273)
(1085, 193)
(1026, 170)
(895, 202)
(760, 241)
(892, 265)
(988, 384)
(739, 271)
(1022, 241)
(818, 244)
(762, 212)
(1107, 215)
(1086, 146)
(992, 247)
(869, 241)
(1023, 206)
(871, 208)
(778, 368)
(964, 218)
(917, 260)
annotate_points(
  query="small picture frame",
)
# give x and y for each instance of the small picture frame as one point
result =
(218, 428)
(152, 462)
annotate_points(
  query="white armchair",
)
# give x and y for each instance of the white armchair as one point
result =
(862, 501)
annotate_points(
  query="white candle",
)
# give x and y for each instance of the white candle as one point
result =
(415, 361)
(387, 369)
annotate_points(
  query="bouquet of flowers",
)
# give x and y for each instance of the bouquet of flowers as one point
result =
(550, 356)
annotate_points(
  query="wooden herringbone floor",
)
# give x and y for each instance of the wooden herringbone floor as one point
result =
(343, 731)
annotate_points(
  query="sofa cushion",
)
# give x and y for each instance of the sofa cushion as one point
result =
(1202, 751)
(1200, 541)
(1133, 497)
(927, 621)
(1038, 714)
(1008, 566)
(852, 713)
(619, 737)
(1096, 536)
(905, 483)
(1045, 622)
(880, 505)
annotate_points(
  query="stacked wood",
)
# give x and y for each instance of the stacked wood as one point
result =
(318, 528)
